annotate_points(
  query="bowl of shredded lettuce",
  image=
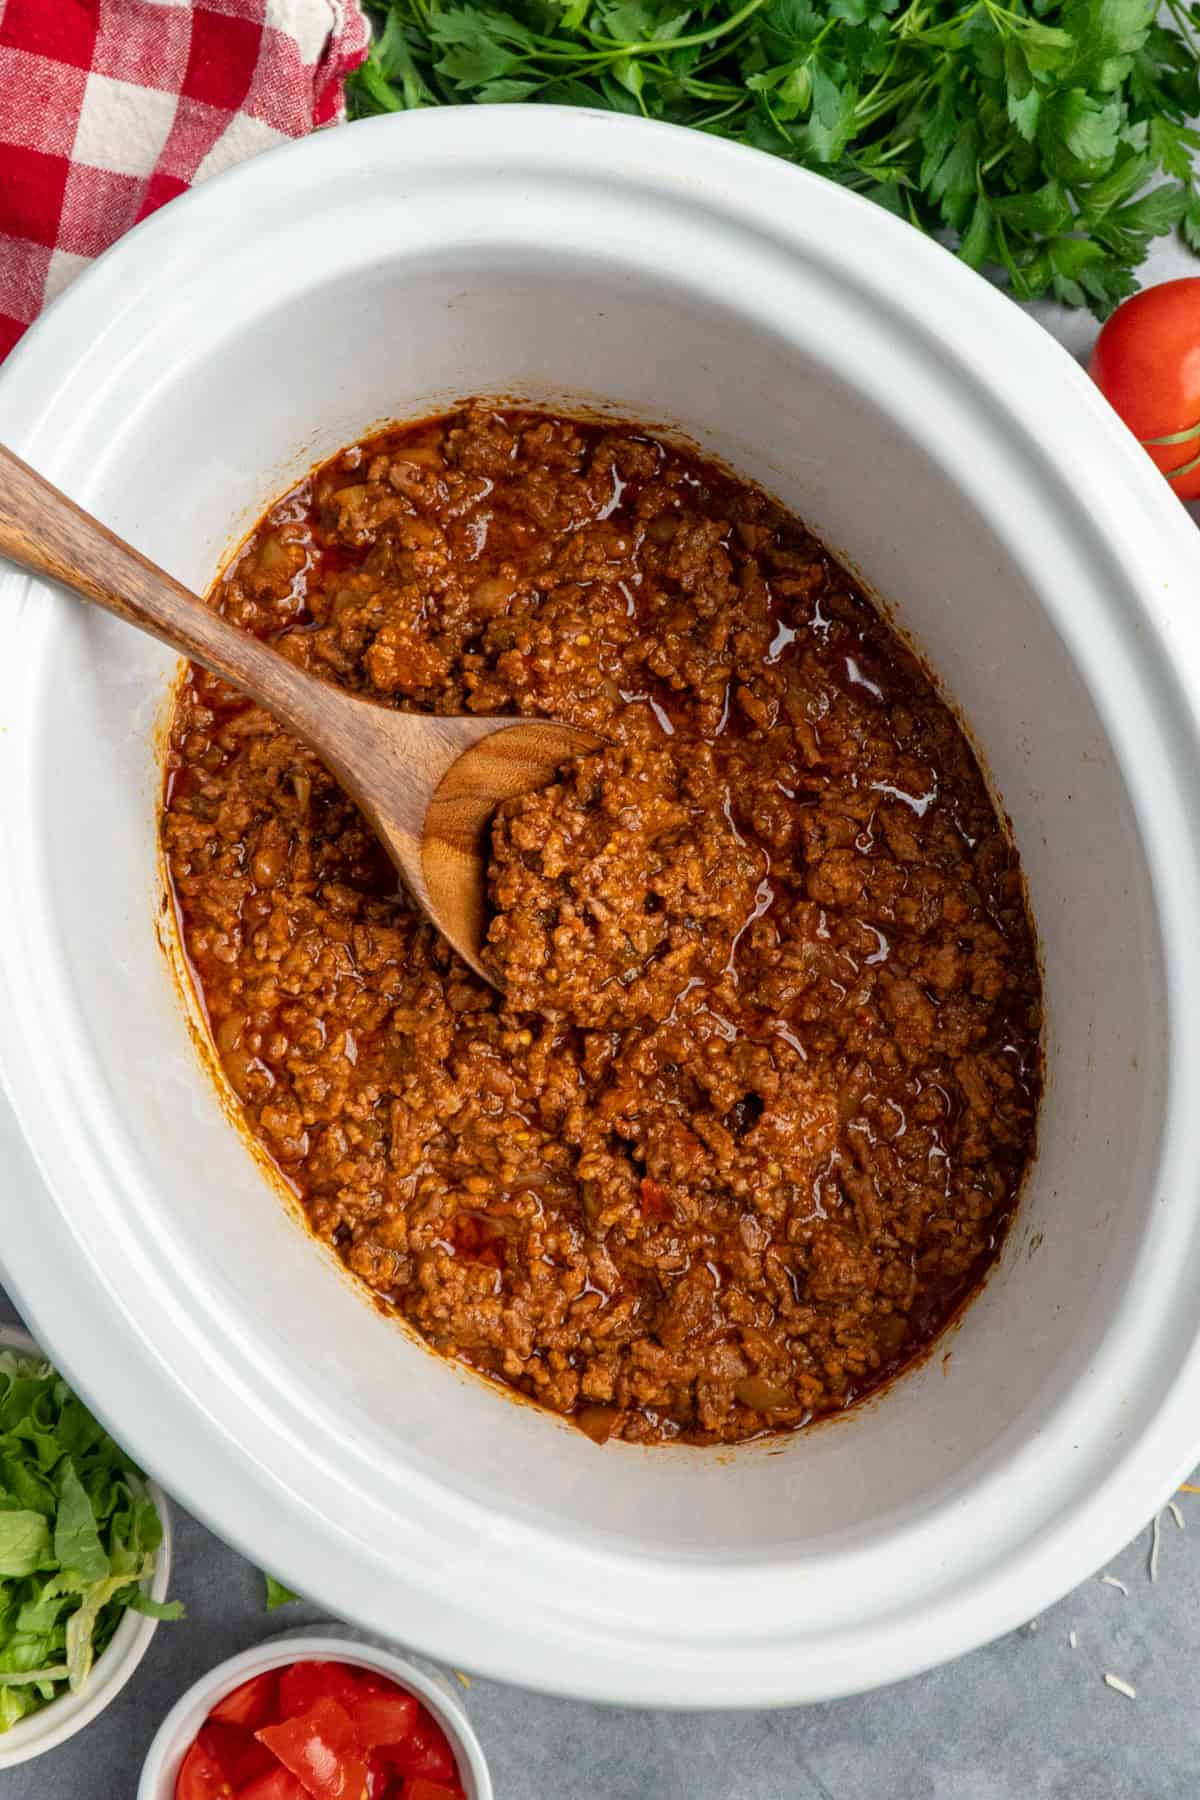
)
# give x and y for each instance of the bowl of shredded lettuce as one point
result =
(85, 1554)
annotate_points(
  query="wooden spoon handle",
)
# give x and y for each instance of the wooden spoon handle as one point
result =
(49, 535)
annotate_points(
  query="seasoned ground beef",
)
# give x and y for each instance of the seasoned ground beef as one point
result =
(620, 885)
(750, 1121)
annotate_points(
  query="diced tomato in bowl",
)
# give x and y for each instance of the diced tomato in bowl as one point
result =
(201, 1777)
(425, 1751)
(251, 1704)
(318, 1729)
(385, 1718)
(278, 1784)
(240, 1756)
(304, 1683)
(322, 1749)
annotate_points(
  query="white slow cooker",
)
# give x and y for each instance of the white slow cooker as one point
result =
(940, 440)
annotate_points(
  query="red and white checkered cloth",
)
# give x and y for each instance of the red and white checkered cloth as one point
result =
(108, 108)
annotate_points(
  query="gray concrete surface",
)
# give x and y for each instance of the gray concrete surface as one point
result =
(1028, 1718)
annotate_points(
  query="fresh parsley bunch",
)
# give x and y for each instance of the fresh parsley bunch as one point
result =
(1047, 141)
(78, 1535)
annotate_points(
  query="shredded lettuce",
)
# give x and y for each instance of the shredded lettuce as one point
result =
(79, 1535)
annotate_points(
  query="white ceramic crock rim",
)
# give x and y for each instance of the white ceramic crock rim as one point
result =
(62, 1718)
(324, 1644)
(1028, 388)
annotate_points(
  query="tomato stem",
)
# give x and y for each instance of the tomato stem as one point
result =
(1176, 437)
(1183, 469)
(1188, 436)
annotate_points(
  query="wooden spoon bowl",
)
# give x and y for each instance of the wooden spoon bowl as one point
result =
(428, 786)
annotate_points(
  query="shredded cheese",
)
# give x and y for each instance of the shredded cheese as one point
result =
(1073, 1639)
(1120, 1687)
(1173, 1509)
(459, 1676)
(1155, 1533)
(1112, 1581)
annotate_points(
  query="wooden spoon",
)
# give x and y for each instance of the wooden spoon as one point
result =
(428, 786)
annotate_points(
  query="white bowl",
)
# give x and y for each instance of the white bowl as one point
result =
(62, 1718)
(330, 1644)
(917, 419)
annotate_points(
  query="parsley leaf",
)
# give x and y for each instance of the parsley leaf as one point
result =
(1015, 130)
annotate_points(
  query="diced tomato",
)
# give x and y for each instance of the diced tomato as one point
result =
(302, 1684)
(319, 1731)
(370, 1681)
(382, 1784)
(236, 1751)
(254, 1761)
(252, 1704)
(202, 1777)
(425, 1751)
(321, 1749)
(224, 1743)
(383, 1718)
(276, 1784)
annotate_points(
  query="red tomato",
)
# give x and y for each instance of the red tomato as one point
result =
(252, 1704)
(425, 1751)
(276, 1784)
(322, 1751)
(302, 1684)
(383, 1718)
(421, 1789)
(201, 1777)
(1147, 365)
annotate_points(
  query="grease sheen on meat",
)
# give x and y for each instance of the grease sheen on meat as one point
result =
(751, 1122)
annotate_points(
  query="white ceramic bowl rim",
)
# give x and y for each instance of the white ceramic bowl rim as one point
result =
(53, 1724)
(729, 1633)
(189, 1712)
